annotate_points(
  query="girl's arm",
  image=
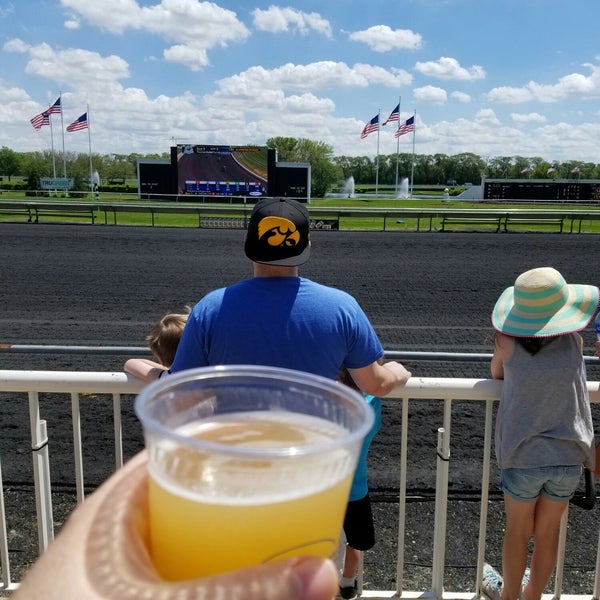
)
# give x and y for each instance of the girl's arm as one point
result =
(503, 346)
(143, 368)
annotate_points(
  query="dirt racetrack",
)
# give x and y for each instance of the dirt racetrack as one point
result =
(105, 285)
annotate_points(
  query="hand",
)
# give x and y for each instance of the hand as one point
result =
(101, 554)
(598, 349)
(399, 370)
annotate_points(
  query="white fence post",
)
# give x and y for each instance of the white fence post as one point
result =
(41, 473)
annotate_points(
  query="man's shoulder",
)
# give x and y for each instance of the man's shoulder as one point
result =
(327, 290)
(218, 292)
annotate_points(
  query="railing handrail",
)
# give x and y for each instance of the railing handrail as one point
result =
(406, 355)
(199, 208)
(85, 382)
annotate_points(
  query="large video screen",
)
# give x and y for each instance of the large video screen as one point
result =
(221, 170)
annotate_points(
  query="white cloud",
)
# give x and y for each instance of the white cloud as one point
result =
(194, 27)
(313, 76)
(449, 68)
(194, 58)
(509, 95)
(279, 20)
(528, 118)
(430, 94)
(115, 16)
(16, 45)
(382, 38)
(78, 68)
(12, 94)
(461, 97)
(574, 85)
(487, 115)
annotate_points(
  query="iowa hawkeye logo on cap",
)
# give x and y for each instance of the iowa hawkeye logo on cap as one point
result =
(278, 233)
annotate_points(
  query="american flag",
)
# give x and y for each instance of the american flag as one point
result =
(575, 169)
(40, 120)
(370, 127)
(78, 124)
(55, 108)
(406, 127)
(551, 169)
(393, 116)
(44, 118)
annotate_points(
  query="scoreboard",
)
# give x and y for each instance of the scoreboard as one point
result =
(542, 189)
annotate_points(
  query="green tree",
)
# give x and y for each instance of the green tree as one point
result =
(324, 172)
(499, 167)
(10, 162)
(35, 166)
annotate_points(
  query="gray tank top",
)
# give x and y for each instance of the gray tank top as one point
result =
(544, 417)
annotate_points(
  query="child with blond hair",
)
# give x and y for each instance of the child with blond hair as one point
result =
(163, 340)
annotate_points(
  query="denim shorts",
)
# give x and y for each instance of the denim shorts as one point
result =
(526, 485)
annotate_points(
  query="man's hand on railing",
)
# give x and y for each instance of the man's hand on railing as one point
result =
(380, 378)
(102, 553)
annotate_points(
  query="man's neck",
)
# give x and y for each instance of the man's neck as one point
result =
(261, 270)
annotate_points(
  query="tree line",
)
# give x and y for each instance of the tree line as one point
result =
(327, 170)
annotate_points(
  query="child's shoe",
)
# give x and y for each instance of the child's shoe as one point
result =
(491, 582)
(349, 592)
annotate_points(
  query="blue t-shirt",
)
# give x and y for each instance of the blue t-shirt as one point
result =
(360, 486)
(288, 322)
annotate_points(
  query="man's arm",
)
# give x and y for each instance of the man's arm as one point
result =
(380, 379)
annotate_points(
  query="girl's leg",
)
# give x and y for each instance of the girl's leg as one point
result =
(519, 529)
(545, 535)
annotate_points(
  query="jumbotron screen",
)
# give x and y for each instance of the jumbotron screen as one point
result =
(221, 170)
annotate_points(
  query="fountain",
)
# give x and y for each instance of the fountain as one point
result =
(403, 189)
(349, 187)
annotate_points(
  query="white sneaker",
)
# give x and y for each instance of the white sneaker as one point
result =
(491, 582)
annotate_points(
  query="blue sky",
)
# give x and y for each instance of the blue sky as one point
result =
(493, 77)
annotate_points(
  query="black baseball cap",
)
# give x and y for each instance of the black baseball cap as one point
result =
(278, 233)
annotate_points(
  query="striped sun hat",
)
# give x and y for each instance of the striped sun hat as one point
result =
(541, 304)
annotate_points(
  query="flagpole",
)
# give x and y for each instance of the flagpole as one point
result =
(398, 146)
(62, 128)
(90, 149)
(52, 147)
(377, 163)
(412, 167)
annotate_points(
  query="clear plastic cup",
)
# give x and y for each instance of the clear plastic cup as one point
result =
(247, 464)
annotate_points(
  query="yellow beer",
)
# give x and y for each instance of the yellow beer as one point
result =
(210, 514)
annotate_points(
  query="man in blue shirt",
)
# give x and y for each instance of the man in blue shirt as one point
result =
(277, 318)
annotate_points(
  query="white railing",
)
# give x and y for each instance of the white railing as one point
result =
(439, 390)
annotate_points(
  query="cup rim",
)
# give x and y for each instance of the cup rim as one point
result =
(151, 425)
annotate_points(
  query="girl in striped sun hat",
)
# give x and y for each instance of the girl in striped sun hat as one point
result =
(544, 433)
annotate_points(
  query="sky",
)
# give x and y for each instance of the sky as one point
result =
(491, 77)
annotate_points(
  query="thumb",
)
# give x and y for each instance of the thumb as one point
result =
(313, 579)
(304, 578)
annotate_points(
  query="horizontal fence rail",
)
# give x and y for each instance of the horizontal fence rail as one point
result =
(503, 219)
(444, 392)
(405, 355)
